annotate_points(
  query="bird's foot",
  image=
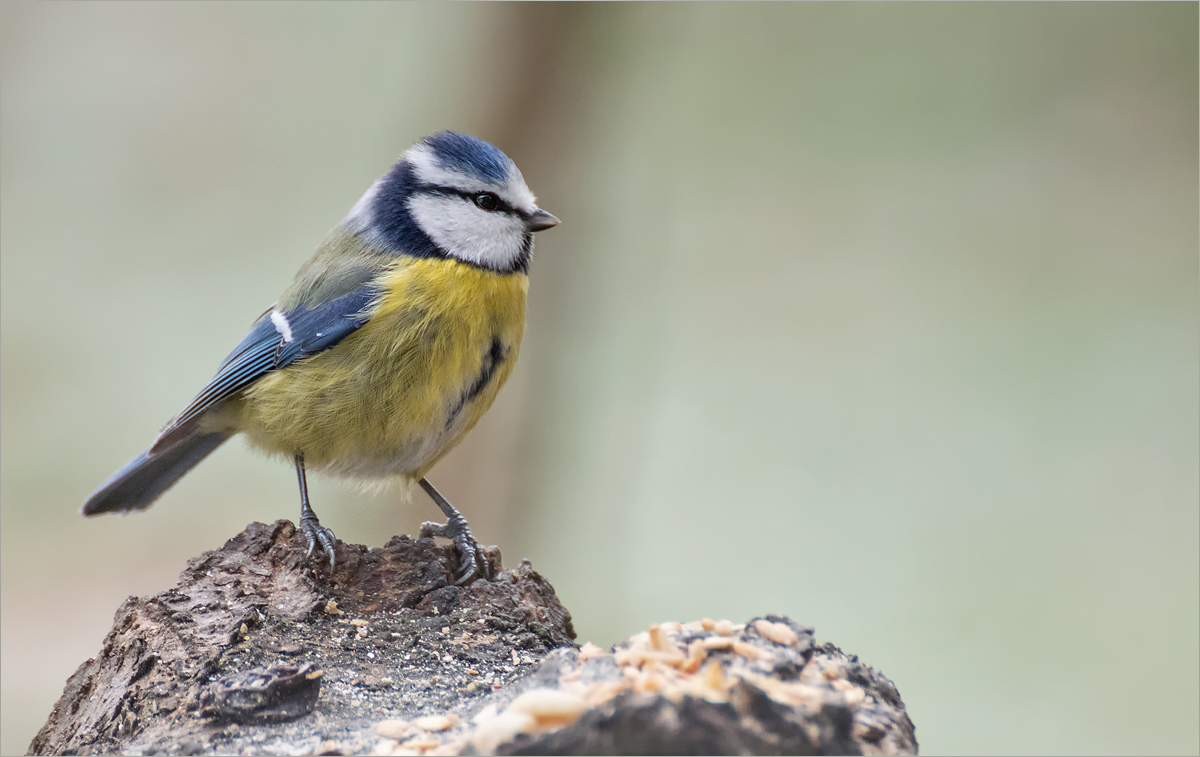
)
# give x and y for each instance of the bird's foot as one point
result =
(316, 534)
(474, 558)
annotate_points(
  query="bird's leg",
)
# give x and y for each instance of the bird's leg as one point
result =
(311, 527)
(457, 530)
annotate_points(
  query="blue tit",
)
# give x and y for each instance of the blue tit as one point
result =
(389, 345)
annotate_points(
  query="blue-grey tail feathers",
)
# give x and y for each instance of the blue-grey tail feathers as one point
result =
(147, 476)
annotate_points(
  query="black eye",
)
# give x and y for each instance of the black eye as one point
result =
(487, 201)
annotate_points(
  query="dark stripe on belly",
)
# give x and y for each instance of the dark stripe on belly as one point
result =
(491, 360)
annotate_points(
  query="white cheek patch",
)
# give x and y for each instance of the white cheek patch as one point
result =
(494, 240)
(280, 321)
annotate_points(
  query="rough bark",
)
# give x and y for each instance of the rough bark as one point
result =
(255, 652)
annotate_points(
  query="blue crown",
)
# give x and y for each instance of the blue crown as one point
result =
(470, 155)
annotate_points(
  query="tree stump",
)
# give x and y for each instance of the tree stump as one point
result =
(257, 652)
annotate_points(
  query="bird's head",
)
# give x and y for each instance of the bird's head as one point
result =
(453, 195)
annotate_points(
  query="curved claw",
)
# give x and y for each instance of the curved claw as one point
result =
(472, 559)
(314, 534)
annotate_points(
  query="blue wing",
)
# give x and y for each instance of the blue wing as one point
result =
(267, 348)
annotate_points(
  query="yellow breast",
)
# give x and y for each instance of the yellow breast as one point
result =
(399, 393)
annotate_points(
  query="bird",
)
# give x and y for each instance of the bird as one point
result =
(391, 342)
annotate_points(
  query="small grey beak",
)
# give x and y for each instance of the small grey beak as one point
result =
(540, 220)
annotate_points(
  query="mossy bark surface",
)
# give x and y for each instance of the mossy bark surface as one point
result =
(257, 651)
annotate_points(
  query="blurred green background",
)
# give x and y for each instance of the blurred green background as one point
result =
(880, 316)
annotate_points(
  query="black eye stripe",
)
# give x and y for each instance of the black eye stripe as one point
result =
(501, 205)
